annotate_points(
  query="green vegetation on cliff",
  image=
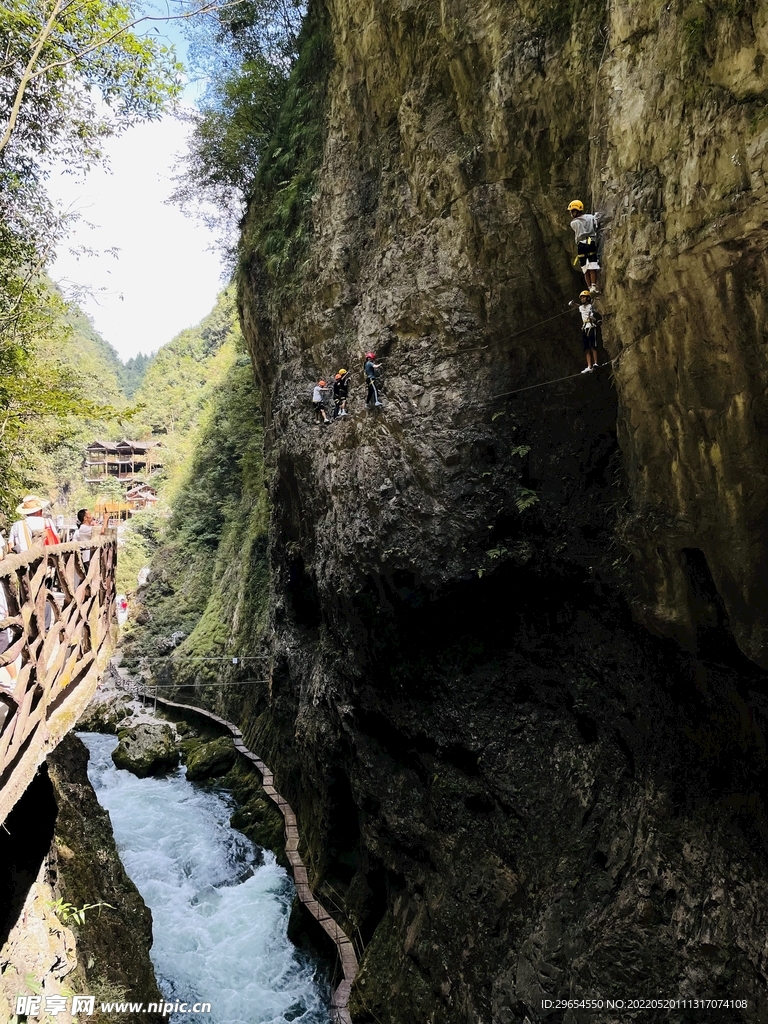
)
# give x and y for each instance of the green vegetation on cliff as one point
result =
(208, 564)
(279, 205)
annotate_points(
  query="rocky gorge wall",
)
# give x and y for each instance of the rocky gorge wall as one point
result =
(517, 687)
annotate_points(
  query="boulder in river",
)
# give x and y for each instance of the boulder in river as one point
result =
(210, 760)
(147, 749)
(104, 714)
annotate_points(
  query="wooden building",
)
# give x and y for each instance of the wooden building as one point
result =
(128, 461)
(141, 496)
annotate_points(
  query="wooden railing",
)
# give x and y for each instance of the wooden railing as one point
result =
(56, 634)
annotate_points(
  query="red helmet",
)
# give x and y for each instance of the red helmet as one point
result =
(370, 355)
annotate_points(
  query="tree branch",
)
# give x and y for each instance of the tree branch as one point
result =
(26, 78)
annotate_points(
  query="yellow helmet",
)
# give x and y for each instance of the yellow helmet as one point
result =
(342, 371)
(585, 294)
(576, 204)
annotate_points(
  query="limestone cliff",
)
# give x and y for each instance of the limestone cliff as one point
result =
(518, 640)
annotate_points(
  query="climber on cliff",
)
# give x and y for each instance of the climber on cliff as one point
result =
(585, 228)
(369, 369)
(590, 329)
(318, 400)
(340, 392)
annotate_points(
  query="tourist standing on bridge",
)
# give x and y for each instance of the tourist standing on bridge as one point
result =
(84, 532)
(8, 673)
(584, 226)
(30, 528)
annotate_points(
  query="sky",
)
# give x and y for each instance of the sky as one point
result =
(164, 276)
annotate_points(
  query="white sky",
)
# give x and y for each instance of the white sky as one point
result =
(163, 278)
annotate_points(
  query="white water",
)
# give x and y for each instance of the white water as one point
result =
(219, 918)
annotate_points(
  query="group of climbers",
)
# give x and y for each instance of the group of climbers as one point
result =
(585, 227)
(340, 390)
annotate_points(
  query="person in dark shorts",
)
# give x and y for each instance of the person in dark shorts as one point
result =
(369, 368)
(340, 393)
(584, 226)
(590, 330)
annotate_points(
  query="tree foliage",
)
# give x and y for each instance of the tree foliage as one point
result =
(57, 388)
(72, 73)
(245, 53)
(132, 373)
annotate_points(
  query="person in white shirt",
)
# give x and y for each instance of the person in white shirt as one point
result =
(584, 226)
(318, 400)
(29, 530)
(84, 532)
(590, 323)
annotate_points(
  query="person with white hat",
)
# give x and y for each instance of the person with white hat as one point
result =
(30, 529)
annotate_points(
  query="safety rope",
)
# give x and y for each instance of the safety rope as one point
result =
(571, 309)
(530, 387)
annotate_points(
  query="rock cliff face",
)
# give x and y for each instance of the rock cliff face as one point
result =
(518, 640)
(58, 849)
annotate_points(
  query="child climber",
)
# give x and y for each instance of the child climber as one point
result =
(369, 368)
(340, 392)
(585, 228)
(318, 400)
(590, 322)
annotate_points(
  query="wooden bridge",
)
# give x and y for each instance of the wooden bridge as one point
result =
(56, 633)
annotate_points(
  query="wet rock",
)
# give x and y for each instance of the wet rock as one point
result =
(105, 714)
(210, 760)
(146, 749)
(114, 940)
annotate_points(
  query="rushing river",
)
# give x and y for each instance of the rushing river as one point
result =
(219, 916)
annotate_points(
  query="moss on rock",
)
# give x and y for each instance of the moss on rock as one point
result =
(211, 760)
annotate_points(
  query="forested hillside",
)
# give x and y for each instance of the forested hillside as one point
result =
(61, 99)
(132, 372)
(77, 376)
(199, 398)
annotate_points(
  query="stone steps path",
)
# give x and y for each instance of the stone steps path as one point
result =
(344, 948)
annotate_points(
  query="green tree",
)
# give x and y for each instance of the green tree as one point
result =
(245, 53)
(72, 73)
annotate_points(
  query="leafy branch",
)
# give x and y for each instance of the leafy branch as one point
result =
(68, 912)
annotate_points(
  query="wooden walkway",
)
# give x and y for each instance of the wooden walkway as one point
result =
(344, 947)
(56, 634)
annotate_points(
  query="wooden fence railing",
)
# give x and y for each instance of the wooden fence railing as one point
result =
(56, 614)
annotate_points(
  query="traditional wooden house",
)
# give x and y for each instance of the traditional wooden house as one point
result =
(141, 496)
(129, 461)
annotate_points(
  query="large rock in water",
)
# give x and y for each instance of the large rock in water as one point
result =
(209, 760)
(147, 749)
(105, 714)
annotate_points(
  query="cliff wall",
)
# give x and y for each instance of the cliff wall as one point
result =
(517, 640)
